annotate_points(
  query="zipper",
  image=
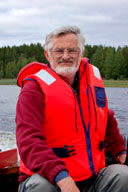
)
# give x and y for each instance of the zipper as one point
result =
(87, 135)
(75, 112)
(87, 132)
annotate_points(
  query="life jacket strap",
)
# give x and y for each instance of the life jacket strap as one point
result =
(65, 151)
(101, 145)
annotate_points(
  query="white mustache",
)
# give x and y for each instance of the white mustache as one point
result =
(65, 61)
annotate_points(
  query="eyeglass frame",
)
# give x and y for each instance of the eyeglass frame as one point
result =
(71, 51)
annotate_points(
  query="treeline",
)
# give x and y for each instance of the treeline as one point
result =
(112, 62)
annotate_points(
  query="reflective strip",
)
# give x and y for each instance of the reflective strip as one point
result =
(45, 76)
(96, 72)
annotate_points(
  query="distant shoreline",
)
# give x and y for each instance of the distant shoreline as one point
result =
(116, 83)
(107, 83)
(8, 81)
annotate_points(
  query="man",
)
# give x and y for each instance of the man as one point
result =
(63, 123)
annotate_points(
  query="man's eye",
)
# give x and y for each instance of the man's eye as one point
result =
(59, 51)
(72, 50)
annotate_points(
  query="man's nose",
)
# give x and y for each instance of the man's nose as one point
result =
(66, 54)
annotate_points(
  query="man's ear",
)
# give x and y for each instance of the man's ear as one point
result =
(46, 55)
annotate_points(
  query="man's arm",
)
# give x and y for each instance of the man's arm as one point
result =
(114, 141)
(32, 146)
(68, 185)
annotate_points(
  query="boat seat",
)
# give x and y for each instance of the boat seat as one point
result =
(10, 169)
(9, 178)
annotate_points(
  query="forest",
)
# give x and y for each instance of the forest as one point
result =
(112, 62)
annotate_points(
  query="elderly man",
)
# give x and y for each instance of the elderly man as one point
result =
(63, 124)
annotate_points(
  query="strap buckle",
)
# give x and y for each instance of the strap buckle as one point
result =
(65, 151)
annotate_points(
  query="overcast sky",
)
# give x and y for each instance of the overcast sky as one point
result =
(102, 22)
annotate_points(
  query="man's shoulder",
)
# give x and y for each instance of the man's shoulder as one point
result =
(32, 86)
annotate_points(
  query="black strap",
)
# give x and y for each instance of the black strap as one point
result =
(101, 146)
(65, 151)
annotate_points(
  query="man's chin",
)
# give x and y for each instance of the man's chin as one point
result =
(66, 71)
(66, 64)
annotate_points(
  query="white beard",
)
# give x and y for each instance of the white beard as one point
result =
(66, 71)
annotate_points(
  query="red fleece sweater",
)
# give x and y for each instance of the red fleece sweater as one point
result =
(33, 150)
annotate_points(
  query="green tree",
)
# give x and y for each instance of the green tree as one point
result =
(98, 59)
(11, 70)
(3, 62)
(109, 63)
(125, 54)
(120, 65)
(22, 61)
(112, 63)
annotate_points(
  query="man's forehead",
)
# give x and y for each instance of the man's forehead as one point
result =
(68, 39)
(64, 35)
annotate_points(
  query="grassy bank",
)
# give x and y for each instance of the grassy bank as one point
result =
(7, 81)
(116, 83)
(107, 83)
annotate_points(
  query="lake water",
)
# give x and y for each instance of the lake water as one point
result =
(117, 97)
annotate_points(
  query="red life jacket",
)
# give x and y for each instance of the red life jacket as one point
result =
(72, 121)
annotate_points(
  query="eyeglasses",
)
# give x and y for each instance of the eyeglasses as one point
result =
(71, 51)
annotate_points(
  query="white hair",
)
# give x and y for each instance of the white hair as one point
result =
(62, 31)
